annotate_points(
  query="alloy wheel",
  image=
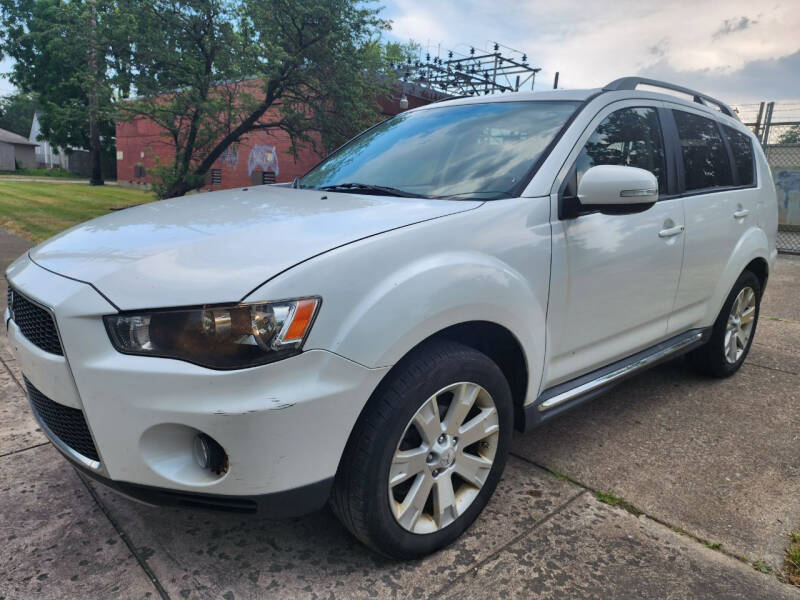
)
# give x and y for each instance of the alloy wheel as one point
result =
(444, 458)
(740, 324)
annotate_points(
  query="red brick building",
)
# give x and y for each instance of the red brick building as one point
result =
(260, 157)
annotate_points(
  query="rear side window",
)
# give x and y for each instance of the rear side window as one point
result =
(705, 159)
(629, 137)
(742, 150)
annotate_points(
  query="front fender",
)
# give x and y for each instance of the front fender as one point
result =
(433, 293)
(376, 315)
(384, 295)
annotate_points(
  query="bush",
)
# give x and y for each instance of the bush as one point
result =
(57, 172)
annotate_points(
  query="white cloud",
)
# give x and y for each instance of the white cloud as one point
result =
(591, 43)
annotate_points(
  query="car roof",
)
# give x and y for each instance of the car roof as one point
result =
(583, 95)
(574, 95)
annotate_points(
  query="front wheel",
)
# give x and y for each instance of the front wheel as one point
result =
(427, 453)
(733, 330)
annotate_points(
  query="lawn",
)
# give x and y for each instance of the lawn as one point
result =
(39, 210)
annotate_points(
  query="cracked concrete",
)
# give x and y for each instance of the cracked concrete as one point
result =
(716, 458)
(591, 550)
(55, 540)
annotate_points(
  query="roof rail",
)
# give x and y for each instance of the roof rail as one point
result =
(630, 83)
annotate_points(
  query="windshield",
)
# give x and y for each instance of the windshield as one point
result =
(469, 151)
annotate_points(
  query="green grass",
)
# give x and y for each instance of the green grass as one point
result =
(792, 561)
(57, 172)
(760, 565)
(613, 500)
(39, 210)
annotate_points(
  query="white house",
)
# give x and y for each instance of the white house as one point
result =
(50, 157)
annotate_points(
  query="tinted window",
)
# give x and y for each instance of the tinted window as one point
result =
(629, 137)
(478, 150)
(742, 150)
(705, 160)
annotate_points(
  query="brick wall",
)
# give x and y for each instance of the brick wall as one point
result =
(141, 143)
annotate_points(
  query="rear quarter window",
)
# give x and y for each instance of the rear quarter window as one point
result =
(705, 159)
(742, 149)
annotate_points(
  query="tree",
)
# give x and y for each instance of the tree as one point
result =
(16, 113)
(790, 136)
(73, 55)
(209, 72)
(397, 53)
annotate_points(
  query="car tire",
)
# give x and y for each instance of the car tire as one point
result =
(727, 349)
(420, 515)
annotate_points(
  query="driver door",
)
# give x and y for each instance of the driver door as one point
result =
(614, 276)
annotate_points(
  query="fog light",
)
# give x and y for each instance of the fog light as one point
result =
(209, 454)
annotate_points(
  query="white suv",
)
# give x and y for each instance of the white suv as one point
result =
(371, 334)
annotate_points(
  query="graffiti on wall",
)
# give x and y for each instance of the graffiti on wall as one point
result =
(787, 184)
(230, 156)
(262, 156)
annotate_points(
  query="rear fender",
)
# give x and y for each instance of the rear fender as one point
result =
(753, 244)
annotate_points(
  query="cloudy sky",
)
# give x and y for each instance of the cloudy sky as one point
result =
(738, 50)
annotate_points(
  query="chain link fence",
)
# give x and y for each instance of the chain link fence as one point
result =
(784, 160)
(777, 126)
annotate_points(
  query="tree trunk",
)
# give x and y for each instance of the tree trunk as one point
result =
(94, 129)
(179, 188)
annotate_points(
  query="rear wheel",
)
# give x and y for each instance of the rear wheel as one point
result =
(427, 453)
(733, 330)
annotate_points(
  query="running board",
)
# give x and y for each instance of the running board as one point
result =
(564, 396)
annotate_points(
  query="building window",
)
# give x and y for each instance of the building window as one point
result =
(267, 177)
(216, 176)
(139, 171)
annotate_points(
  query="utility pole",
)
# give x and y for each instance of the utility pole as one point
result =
(94, 105)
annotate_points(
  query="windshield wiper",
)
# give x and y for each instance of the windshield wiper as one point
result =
(490, 195)
(366, 187)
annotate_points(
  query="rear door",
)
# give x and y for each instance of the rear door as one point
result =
(614, 277)
(717, 180)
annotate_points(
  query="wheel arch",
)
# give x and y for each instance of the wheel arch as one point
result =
(502, 347)
(760, 268)
(751, 254)
(495, 341)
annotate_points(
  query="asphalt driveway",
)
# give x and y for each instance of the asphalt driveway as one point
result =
(699, 481)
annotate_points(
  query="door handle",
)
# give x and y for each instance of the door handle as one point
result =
(665, 233)
(741, 214)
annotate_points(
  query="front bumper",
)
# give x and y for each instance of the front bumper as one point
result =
(278, 505)
(283, 425)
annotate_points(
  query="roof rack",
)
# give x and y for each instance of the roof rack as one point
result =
(630, 83)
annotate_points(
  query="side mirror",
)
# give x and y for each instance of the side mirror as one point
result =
(617, 189)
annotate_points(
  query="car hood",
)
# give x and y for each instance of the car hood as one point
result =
(217, 247)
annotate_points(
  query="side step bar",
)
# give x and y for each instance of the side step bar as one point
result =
(564, 396)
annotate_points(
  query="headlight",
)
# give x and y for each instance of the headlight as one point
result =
(218, 337)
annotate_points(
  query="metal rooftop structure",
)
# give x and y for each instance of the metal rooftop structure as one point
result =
(480, 72)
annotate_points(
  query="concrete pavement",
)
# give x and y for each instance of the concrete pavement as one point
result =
(716, 459)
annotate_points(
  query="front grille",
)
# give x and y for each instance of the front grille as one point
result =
(66, 423)
(34, 322)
